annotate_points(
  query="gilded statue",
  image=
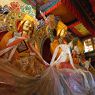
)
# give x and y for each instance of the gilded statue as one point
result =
(27, 59)
(59, 38)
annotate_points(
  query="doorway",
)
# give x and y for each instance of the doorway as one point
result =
(46, 54)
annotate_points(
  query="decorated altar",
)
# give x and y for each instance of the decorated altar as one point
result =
(23, 69)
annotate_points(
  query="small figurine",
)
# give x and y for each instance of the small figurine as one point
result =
(4, 10)
(84, 63)
(77, 50)
(50, 25)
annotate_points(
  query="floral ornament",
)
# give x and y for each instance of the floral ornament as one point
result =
(28, 10)
(14, 6)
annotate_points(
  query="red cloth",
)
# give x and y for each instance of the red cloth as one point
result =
(65, 65)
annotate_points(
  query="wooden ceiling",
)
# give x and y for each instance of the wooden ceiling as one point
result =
(86, 8)
(64, 14)
(69, 19)
(67, 16)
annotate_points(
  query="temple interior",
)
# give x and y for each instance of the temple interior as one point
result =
(47, 47)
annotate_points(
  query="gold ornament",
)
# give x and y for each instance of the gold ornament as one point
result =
(12, 19)
(3, 22)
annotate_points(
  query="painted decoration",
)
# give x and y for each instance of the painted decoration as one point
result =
(31, 2)
(28, 9)
(49, 6)
(14, 6)
(81, 29)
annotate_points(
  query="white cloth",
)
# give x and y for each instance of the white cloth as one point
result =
(63, 55)
(16, 35)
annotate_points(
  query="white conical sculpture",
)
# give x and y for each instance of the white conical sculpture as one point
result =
(63, 55)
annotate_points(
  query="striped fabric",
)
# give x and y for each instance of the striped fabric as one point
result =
(48, 5)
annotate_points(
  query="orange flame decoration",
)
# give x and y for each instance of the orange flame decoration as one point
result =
(14, 6)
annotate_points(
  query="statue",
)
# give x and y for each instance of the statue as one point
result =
(18, 46)
(77, 50)
(59, 38)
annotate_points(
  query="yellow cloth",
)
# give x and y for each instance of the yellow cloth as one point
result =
(53, 45)
(60, 26)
